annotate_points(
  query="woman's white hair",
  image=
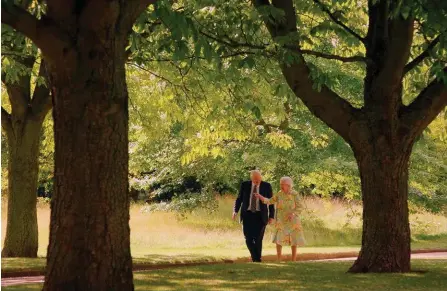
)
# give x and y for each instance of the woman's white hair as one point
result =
(286, 180)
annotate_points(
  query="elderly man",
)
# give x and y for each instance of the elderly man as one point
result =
(254, 214)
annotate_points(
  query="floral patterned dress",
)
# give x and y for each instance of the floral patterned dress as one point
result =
(287, 224)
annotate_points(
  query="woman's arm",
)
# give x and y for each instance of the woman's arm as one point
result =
(268, 201)
(271, 206)
(298, 207)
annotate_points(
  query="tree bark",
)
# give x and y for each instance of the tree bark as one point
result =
(83, 44)
(23, 127)
(89, 231)
(21, 238)
(383, 164)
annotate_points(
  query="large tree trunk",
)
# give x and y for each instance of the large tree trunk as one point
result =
(21, 238)
(383, 164)
(83, 44)
(89, 234)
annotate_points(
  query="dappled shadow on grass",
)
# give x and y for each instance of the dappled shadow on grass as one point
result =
(308, 276)
(290, 276)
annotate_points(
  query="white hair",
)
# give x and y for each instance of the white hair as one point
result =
(286, 180)
(255, 172)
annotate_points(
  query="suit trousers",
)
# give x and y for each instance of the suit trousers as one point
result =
(254, 228)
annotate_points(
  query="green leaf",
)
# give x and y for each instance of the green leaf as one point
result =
(207, 51)
(247, 62)
(256, 111)
(405, 12)
(250, 62)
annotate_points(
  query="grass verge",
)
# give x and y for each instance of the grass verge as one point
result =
(309, 276)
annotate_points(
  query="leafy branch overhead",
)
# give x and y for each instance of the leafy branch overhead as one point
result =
(24, 77)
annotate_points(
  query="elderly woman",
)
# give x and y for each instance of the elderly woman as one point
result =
(287, 225)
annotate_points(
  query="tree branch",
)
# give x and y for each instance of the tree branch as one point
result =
(45, 34)
(286, 122)
(267, 126)
(284, 125)
(325, 104)
(154, 74)
(41, 102)
(133, 10)
(335, 19)
(334, 57)
(6, 121)
(231, 43)
(389, 41)
(425, 107)
(426, 53)
(225, 56)
(234, 44)
(18, 93)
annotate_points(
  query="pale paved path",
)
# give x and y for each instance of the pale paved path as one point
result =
(39, 279)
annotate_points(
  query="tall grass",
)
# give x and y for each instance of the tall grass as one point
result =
(325, 223)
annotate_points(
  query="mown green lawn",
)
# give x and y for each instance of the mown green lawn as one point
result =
(178, 256)
(309, 276)
(167, 256)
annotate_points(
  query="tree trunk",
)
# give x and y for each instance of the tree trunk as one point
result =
(383, 166)
(89, 233)
(21, 238)
(83, 44)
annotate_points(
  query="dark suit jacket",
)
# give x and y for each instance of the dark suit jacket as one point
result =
(243, 200)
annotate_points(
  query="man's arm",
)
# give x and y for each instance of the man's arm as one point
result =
(238, 202)
(271, 206)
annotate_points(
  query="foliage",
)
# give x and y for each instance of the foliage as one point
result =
(319, 161)
(212, 54)
(21, 58)
(209, 101)
(428, 170)
(186, 203)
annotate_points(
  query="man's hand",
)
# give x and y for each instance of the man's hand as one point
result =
(234, 215)
(271, 220)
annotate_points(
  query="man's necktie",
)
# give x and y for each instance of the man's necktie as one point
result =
(253, 199)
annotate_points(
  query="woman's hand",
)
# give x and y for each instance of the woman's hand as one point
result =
(259, 196)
